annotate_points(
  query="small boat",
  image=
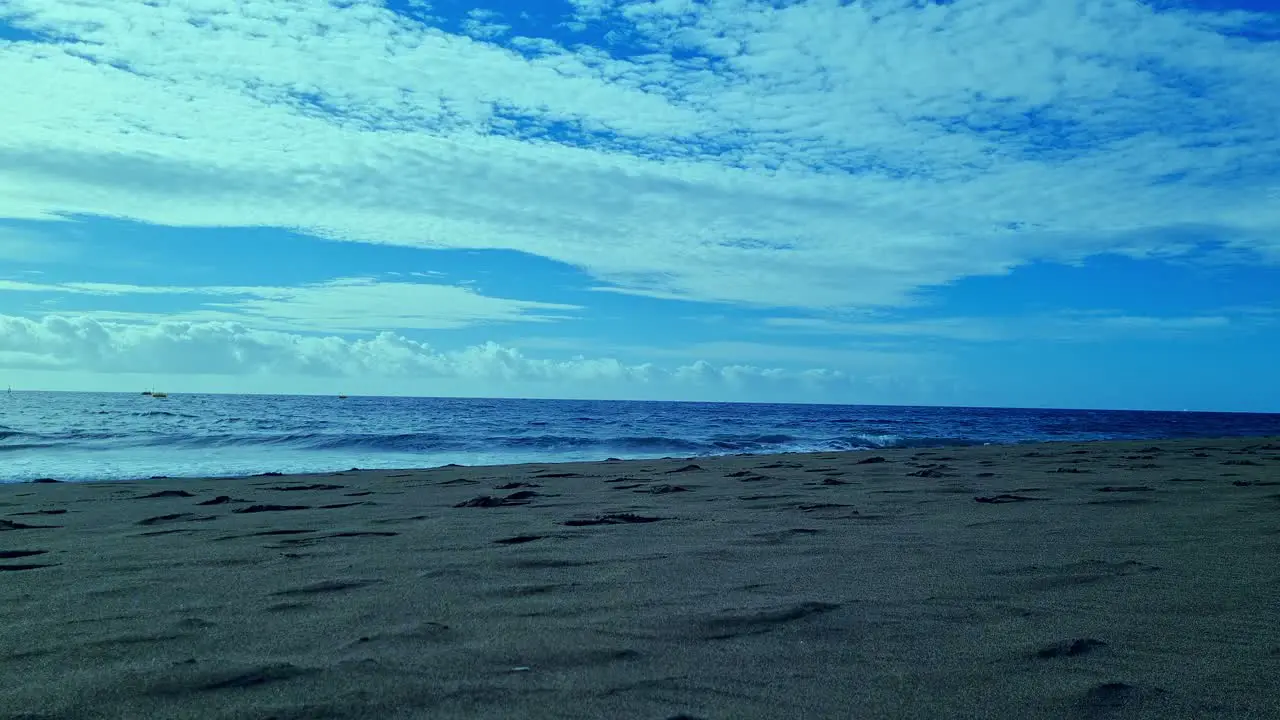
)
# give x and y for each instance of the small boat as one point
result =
(342, 397)
(159, 395)
(148, 393)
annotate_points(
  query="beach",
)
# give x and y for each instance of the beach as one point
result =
(1052, 580)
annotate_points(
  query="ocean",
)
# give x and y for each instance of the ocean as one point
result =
(102, 436)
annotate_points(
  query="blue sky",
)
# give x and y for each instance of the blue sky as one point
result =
(1069, 203)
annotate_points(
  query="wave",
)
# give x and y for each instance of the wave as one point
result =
(436, 443)
(164, 413)
(14, 447)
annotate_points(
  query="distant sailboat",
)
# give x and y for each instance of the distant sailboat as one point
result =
(148, 393)
(342, 397)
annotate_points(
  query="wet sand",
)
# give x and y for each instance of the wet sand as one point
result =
(1034, 581)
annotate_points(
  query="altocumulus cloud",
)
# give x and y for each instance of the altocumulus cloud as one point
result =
(343, 305)
(815, 155)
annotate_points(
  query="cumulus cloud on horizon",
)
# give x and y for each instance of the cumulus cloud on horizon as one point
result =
(217, 348)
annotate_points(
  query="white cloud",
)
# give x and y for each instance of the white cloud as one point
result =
(817, 155)
(482, 25)
(863, 358)
(1064, 326)
(74, 344)
(344, 305)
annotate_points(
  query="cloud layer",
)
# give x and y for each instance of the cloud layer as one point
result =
(815, 155)
(344, 305)
(1062, 326)
(176, 348)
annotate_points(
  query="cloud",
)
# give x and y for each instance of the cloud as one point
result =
(814, 155)
(1075, 326)
(861, 358)
(174, 348)
(966, 329)
(344, 305)
(481, 25)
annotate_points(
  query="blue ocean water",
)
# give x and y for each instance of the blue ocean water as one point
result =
(92, 436)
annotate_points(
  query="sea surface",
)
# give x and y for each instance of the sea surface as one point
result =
(99, 436)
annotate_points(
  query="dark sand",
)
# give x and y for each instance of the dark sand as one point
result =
(1092, 581)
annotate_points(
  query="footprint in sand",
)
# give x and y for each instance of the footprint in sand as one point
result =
(664, 489)
(16, 567)
(398, 520)
(780, 536)
(929, 473)
(11, 525)
(1004, 498)
(268, 533)
(1069, 648)
(685, 469)
(222, 500)
(489, 501)
(12, 554)
(1108, 698)
(172, 531)
(176, 517)
(327, 586)
(778, 465)
(612, 519)
(519, 539)
(334, 536)
(166, 494)
(811, 507)
(1054, 577)
(737, 625)
(241, 679)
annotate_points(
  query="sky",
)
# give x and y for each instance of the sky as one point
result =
(1031, 203)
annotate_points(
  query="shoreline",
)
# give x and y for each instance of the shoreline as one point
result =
(1260, 439)
(1043, 580)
